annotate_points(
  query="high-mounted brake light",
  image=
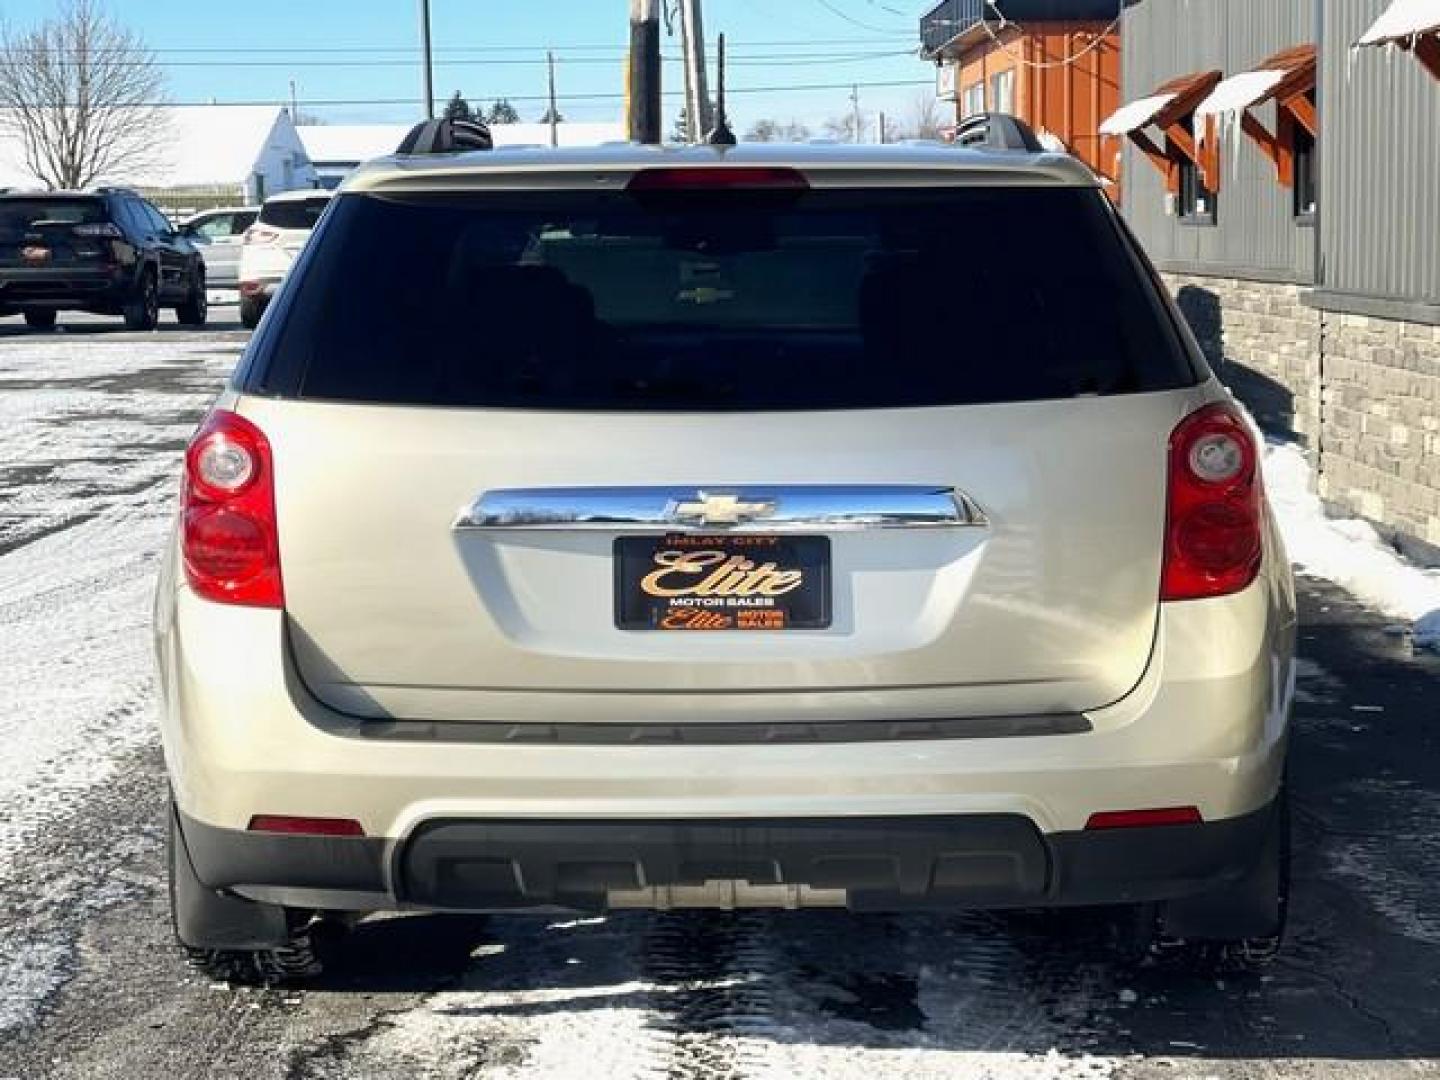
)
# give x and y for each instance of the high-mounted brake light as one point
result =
(228, 537)
(1214, 518)
(718, 178)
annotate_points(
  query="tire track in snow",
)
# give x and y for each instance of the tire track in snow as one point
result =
(85, 514)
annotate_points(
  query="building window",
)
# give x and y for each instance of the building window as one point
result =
(972, 101)
(1196, 204)
(1306, 163)
(1002, 91)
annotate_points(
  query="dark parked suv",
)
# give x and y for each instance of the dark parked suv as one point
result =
(108, 251)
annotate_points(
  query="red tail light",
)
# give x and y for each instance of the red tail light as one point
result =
(228, 533)
(1213, 523)
(261, 234)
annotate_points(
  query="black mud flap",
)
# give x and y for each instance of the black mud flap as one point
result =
(206, 918)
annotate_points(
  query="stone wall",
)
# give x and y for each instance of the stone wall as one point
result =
(1381, 437)
(1263, 342)
(1361, 393)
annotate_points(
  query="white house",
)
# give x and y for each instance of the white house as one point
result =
(236, 153)
(336, 149)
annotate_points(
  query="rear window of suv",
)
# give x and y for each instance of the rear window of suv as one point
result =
(20, 216)
(826, 299)
(293, 213)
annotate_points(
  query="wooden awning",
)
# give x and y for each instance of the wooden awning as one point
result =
(1412, 25)
(1167, 109)
(1288, 79)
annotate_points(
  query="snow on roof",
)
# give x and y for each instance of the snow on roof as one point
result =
(1402, 20)
(568, 134)
(350, 144)
(1239, 92)
(208, 144)
(1135, 115)
(13, 172)
(195, 145)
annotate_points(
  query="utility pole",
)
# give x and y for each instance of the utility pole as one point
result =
(554, 111)
(643, 86)
(428, 59)
(855, 103)
(697, 93)
(294, 105)
(881, 122)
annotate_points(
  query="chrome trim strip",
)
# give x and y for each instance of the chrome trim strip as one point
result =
(800, 508)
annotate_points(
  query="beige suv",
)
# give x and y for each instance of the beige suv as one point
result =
(801, 526)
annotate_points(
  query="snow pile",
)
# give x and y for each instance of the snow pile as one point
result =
(1348, 552)
(1404, 20)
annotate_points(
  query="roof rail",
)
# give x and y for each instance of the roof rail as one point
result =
(997, 131)
(115, 189)
(446, 137)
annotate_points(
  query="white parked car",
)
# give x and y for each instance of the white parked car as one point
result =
(218, 235)
(776, 526)
(271, 245)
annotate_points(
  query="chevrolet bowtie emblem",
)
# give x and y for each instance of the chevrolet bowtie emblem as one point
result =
(716, 509)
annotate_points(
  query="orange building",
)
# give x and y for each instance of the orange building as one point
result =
(1053, 63)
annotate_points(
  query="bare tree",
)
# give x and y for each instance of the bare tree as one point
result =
(777, 131)
(924, 120)
(843, 127)
(81, 95)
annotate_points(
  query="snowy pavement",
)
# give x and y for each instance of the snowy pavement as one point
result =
(90, 431)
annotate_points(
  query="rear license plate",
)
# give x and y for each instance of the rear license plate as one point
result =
(685, 582)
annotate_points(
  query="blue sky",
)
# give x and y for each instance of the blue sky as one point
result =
(364, 50)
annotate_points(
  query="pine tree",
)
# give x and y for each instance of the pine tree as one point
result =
(552, 115)
(457, 108)
(502, 112)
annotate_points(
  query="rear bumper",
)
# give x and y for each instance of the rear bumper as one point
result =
(865, 864)
(63, 287)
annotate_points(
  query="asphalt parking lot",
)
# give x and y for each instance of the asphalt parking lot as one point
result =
(92, 421)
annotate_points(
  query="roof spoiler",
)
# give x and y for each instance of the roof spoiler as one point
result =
(997, 131)
(446, 137)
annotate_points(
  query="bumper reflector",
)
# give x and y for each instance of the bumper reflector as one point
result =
(1139, 819)
(305, 826)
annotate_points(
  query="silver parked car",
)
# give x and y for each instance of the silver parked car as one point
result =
(218, 235)
(779, 526)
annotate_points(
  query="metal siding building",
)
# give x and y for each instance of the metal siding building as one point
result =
(1256, 234)
(1379, 169)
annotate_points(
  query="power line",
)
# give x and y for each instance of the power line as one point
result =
(754, 60)
(320, 103)
(839, 14)
(805, 43)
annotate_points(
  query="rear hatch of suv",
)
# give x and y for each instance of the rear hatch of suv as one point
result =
(517, 435)
(54, 232)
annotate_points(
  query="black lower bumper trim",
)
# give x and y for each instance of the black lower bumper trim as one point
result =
(889, 863)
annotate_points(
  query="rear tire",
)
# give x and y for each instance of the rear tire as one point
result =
(40, 319)
(208, 923)
(250, 312)
(142, 312)
(196, 308)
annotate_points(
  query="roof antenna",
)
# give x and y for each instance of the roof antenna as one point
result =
(720, 134)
